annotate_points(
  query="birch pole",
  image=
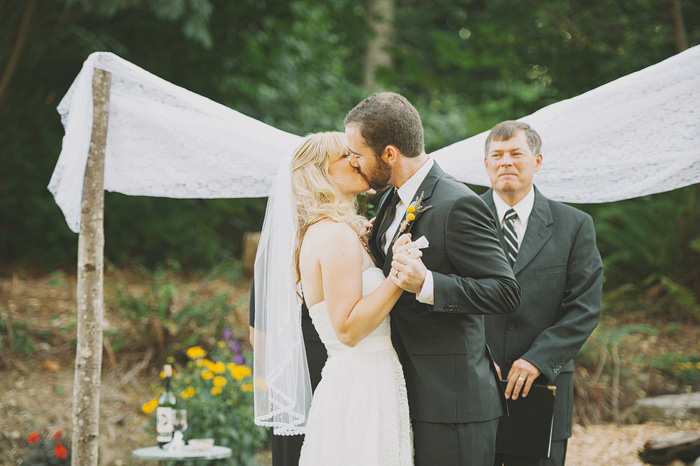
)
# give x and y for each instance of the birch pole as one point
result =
(378, 55)
(88, 358)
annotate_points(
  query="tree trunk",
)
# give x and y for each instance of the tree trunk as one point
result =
(88, 359)
(381, 21)
(678, 25)
(16, 49)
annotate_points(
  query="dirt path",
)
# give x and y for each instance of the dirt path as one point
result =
(612, 444)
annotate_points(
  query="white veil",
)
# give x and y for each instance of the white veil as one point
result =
(282, 384)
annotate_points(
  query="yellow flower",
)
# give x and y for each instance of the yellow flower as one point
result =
(221, 344)
(216, 391)
(188, 393)
(240, 372)
(196, 352)
(170, 359)
(697, 365)
(230, 366)
(410, 217)
(247, 387)
(411, 209)
(207, 363)
(219, 381)
(218, 367)
(207, 375)
(162, 374)
(149, 406)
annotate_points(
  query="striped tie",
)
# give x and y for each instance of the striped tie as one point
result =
(511, 236)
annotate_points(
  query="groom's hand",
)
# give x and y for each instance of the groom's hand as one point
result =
(409, 272)
(520, 378)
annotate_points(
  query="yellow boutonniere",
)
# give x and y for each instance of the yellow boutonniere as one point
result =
(416, 208)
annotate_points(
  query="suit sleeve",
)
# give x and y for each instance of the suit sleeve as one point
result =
(482, 281)
(579, 312)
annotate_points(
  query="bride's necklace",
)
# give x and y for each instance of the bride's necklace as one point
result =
(364, 245)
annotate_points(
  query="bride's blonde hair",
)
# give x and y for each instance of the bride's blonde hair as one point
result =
(316, 195)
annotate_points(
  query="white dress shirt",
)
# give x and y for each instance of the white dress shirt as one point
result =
(523, 209)
(408, 193)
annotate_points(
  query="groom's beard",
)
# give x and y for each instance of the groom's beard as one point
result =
(378, 176)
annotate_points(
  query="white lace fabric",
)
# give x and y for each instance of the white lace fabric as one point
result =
(634, 136)
(359, 414)
(637, 135)
(163, 141)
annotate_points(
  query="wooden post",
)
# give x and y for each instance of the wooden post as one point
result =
(88, 359)
(250, 249)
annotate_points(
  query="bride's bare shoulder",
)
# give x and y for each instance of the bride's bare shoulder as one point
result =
(330, 231)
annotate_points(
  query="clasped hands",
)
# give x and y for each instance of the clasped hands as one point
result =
(407, 268)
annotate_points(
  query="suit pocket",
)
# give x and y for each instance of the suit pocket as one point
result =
(445, 345)
(550, 269)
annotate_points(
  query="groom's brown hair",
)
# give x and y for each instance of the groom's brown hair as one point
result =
(387, 118)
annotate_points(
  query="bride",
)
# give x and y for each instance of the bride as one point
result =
(311, 246)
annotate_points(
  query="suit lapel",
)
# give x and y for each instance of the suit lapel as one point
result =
(537, 233)
(488, 199)
(426, 187)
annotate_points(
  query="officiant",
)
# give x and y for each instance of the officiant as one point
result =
(552, 249)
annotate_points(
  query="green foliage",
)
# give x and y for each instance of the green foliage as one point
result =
(647, 246)
(166, 319)
(217, 394)
(684, 367)
(297, 65)
(22, 341)
(602, 340)
(47, 450)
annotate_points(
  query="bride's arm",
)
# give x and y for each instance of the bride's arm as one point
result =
(353, 317)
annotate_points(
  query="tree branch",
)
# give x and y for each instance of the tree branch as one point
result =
(678, 25)
(17, 49)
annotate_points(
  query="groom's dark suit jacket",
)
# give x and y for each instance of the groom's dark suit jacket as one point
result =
(442, 346)
(561, 276)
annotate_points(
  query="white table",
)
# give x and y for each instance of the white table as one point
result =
(185, 453)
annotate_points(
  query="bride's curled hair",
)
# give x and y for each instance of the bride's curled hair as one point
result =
(316, 195)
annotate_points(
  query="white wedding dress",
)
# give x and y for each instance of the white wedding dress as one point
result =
(359, 411)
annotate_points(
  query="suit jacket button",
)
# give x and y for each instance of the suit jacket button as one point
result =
(511, 326)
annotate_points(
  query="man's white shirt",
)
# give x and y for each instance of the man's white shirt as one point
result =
(523, 209)
(408, 193)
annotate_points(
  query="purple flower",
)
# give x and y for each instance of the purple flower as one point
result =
(234, 346)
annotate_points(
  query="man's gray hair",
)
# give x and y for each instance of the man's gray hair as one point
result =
(507, 129)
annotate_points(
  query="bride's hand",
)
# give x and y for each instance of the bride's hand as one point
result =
(404, 245)
(368, 228)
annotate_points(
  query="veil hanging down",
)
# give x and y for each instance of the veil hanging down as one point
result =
(282, 385)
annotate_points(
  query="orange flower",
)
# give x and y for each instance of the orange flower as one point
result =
(57, 435)
(33, 437)
(60, 451)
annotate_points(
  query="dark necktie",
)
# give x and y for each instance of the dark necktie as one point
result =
(388, 218)
(511, 236)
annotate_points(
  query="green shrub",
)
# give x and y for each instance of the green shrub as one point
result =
(684, 367)
(22, 341)
(166, 319)
(217, 394)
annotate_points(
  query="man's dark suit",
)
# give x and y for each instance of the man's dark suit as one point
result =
(287, 448)
(442, 347)
(561, 277)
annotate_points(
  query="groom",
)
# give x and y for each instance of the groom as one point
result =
(437, 324)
